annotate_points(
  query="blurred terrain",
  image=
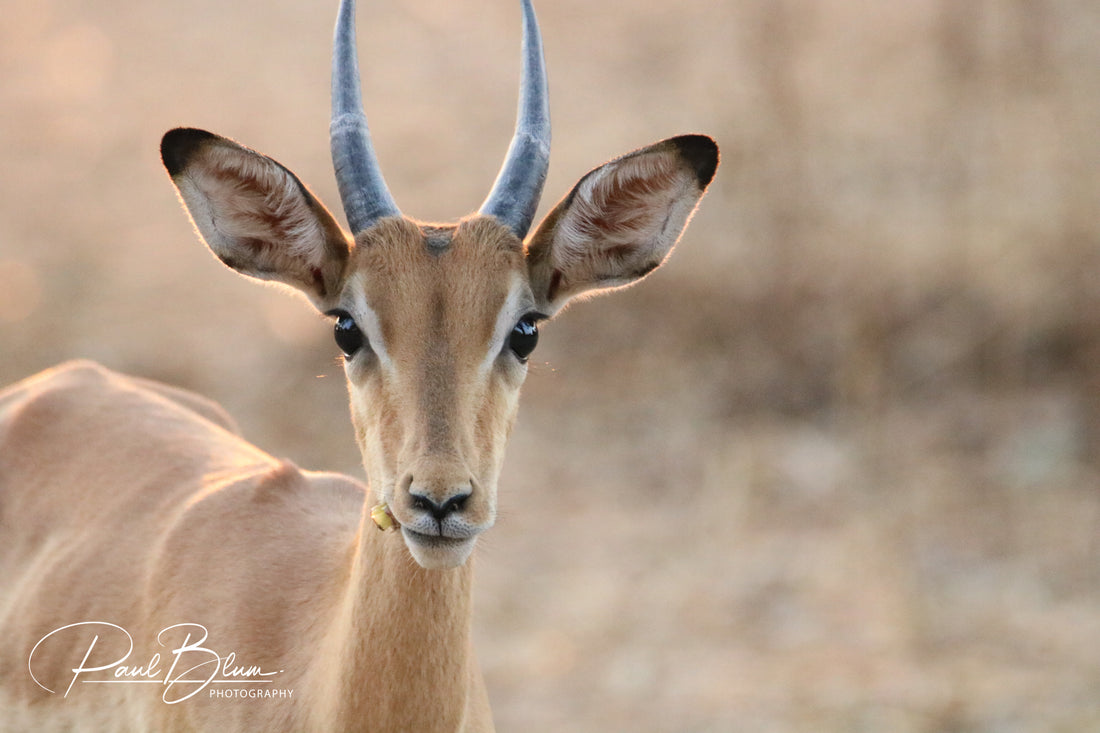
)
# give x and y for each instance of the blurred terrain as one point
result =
(833, 468)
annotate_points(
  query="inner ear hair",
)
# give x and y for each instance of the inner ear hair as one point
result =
(255, 215)
(621, 220)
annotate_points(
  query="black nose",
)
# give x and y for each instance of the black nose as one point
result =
(440, 512)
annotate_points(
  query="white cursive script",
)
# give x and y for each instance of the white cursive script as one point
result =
(192, 669)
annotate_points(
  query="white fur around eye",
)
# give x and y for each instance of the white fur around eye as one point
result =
(518, 304)
(368, 323)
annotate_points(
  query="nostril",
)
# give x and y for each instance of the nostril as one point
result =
(440, 511)
(454, 504)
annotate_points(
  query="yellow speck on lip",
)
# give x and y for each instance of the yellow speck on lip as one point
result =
(383, 517)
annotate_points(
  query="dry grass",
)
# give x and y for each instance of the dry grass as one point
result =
(834, 468)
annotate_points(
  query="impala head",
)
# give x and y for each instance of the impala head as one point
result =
(436, 322)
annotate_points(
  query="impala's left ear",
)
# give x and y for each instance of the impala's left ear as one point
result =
(620, 221)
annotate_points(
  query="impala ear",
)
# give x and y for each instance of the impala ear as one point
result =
(255, 215)
(620, 222)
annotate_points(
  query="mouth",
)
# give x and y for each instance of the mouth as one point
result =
(438, 551)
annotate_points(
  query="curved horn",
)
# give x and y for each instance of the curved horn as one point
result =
(515, 195)
(362, 189)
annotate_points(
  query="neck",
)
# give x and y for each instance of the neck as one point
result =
(397, 655)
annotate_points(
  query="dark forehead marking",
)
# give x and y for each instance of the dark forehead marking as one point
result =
(437, 239)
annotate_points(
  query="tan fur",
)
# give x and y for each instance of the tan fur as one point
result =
(188, 523)
(135, 504)
(439, 417)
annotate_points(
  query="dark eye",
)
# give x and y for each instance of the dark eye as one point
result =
(348, 336)
(524, 337)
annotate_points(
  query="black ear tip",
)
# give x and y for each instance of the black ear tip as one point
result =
(178, 145)
(701, 152)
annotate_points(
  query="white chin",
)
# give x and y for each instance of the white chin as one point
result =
(438, 553)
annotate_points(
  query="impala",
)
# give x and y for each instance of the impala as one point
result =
(158, 572)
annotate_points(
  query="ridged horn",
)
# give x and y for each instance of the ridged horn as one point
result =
(515, 194)
(362, 189)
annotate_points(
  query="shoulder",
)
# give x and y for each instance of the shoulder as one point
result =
(84, 390)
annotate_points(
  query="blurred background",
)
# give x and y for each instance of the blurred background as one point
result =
(833, 468)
